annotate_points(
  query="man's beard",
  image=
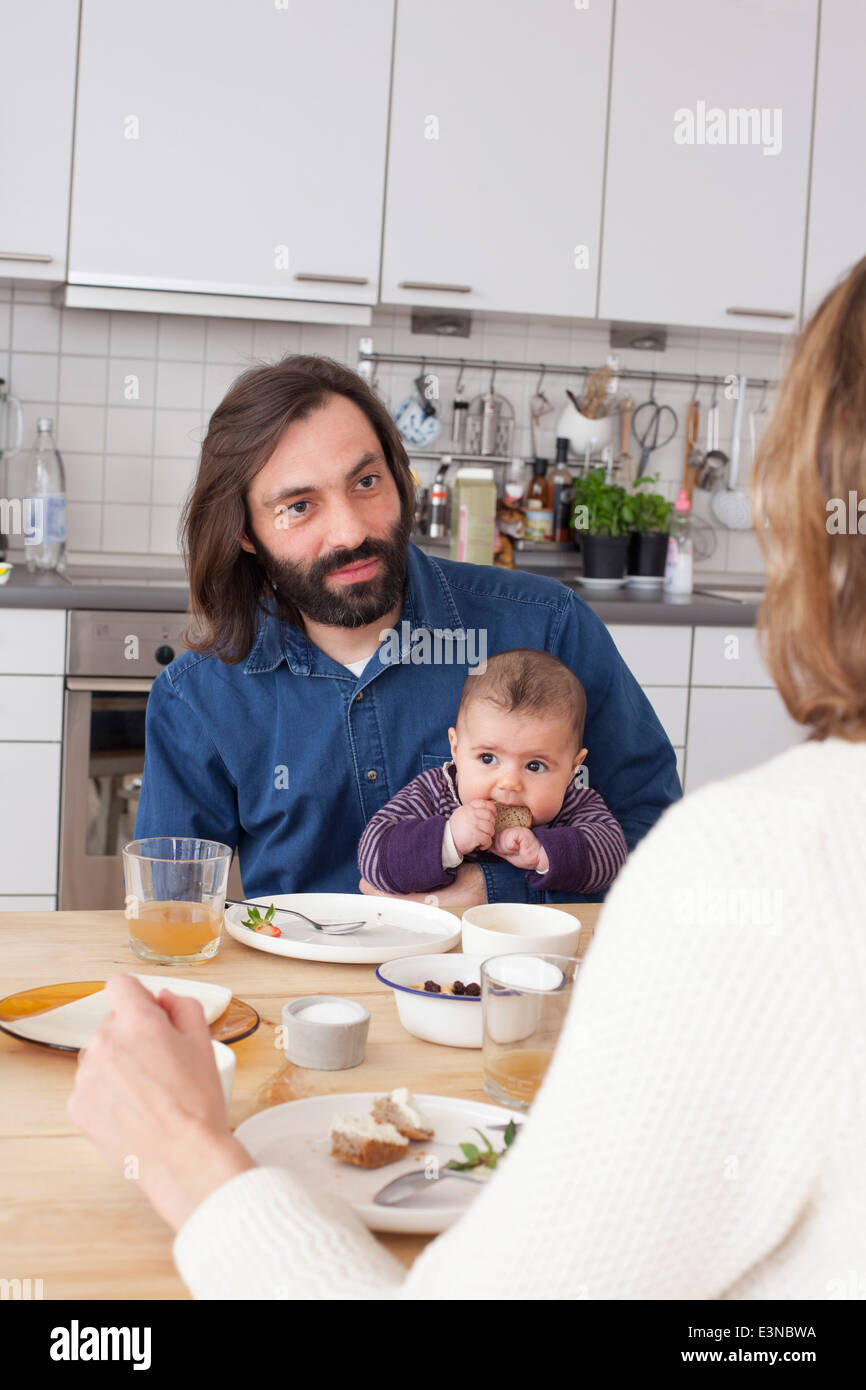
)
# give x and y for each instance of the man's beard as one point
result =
(352, 605)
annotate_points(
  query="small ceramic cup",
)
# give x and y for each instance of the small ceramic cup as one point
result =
(500, 929)
(325, 1032)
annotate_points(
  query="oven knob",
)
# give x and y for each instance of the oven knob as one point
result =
(164, 655)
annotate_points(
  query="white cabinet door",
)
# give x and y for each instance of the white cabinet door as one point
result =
(697, 232)
(654, 654)
(232, 148)
(38, 44)
(496, 153)
(728, 656)
(733, 729)
(31, 708)
(32, 641)
(29, 817)
(837, 213)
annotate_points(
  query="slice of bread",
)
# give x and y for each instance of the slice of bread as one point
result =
(507, 816)
(361, 1140)
(399, 1110)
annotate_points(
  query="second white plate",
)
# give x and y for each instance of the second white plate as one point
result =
(392, 928)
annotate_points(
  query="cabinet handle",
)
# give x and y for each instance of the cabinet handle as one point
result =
(24, 256)
(333, 279)
(762, 313)
(428, 285)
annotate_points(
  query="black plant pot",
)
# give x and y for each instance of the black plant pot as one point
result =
(603, 556)
(647, 553)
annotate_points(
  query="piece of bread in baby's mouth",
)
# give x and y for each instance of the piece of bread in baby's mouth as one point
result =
(507, 816)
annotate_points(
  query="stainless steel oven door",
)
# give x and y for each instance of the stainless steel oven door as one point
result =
(103, 760)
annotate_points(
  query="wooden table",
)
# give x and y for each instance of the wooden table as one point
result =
(67, 1217)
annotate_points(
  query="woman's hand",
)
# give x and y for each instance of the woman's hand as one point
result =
(467, 890)
(522, 848)
(147, 1094)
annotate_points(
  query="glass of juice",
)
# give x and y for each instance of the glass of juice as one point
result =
(524, 1000)
(175, 891)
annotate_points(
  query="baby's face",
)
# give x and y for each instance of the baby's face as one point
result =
(518, 759)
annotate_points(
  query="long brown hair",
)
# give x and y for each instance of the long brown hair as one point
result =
(812, 622)
(226, 583)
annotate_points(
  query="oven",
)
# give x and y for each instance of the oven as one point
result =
(112, 661)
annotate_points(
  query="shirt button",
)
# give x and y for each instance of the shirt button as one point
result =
(359, 696)
(372, 775)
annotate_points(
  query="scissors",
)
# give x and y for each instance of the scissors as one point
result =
(657, 419)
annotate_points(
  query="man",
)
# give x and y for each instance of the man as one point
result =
(302, 708)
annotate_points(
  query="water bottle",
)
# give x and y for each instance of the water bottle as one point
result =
(44, 504)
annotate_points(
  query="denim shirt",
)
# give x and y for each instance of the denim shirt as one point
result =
(288, 754)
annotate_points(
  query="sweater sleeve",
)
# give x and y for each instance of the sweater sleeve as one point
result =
(678, 1141)
(400, 850)
(586, 854)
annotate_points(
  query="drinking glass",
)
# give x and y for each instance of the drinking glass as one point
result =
(175, 891)
(524, 1000)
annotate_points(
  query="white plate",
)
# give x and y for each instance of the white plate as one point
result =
(644, 581)
(295, 1136)
(393, 927)
(600, 585)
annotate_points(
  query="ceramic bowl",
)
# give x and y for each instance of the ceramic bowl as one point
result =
(453, 1020)
(502, 929)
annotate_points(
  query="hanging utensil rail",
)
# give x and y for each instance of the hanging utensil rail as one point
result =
(560, 368)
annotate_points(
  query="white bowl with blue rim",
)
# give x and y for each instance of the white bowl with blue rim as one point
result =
(454, 1020)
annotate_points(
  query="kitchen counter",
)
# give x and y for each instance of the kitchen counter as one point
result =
(726, 601)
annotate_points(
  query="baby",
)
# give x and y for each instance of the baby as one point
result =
(508, 793)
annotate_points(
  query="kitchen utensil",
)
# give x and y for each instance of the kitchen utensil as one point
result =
(625, 462)
(715, 459)
(401, 1187)
(418, 417)
(539, 405)
(732, 506)
(585, 435)
(335, 928)
(693, 420)
(654, 426)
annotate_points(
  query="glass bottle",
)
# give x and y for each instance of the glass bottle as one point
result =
(539, 504)
(44, 503)
(562, 486)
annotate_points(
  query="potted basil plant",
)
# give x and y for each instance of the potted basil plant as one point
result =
(599, 525)
(647, 515)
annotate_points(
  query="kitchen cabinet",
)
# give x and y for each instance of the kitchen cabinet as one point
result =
(496, 155)
(734, 729)
(232, 149)
(837, 217)
(705, 214)
(32, 660)
(37, 101)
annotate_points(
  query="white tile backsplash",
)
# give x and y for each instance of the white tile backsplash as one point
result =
(132, 394)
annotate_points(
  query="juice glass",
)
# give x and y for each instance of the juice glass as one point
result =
(175, 897)
(524, 1000)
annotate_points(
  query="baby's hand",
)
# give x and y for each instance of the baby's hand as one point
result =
(472, 825)
(522, 848)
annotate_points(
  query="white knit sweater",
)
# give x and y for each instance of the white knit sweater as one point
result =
(701, 1131)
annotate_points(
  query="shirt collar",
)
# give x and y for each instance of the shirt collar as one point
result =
(427, 603)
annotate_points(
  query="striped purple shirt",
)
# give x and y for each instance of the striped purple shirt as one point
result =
(400, 850)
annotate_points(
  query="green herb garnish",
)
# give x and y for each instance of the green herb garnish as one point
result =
(486, 1157)
(254, 918)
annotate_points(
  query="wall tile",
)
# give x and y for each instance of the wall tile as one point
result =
(178, 433)
(128, 479)
(83, 380)
(84, 331)
(132, 382)
(129, 431)
(172, 479)
(125, 529)
(83, 525)
(229, 340)
(271, 341)
(179, 385)
(35, 328)
(218, 377)
(80, 428)
(5, 324)
(163, 530)
(84, 481)
(133, 335)
(33, 375)
(181, 338)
